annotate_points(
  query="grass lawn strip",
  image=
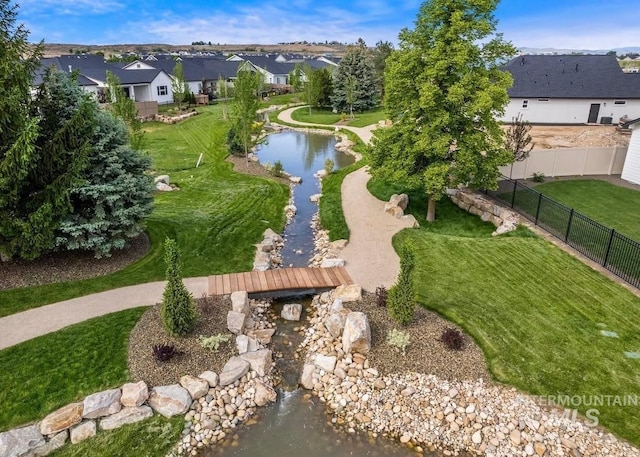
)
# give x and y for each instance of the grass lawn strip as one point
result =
(327, 117)
(48, 372)
(216, 217)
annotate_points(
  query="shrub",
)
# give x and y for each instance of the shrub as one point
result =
(399, 340)
(452, 339)
(165, 352)
(329, 166)
(538, 176)
(178, 310)
(381, 296)
(401, 298)
(277, 169)
(214, 341)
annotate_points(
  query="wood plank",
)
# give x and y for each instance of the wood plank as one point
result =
(271, 283)
(346, 279)
(281, 280)
(226, 284)
(299, 278)
(233, 279)
(248, 281)
(291, 276)
(308, 282)
(264, 286)
(327, 277)
(316, 278)
(335, 280)
(241, 284)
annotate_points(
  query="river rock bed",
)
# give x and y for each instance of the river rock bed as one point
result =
(427, 412)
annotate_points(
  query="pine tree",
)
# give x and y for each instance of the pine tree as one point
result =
(178, 311)
(401, 299)
(354, 80)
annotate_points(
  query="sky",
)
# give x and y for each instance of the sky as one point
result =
(581, 24)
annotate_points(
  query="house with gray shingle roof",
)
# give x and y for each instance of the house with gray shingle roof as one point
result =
(571, 89)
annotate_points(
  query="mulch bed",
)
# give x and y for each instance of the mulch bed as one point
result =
(69, 266)
(241, 165)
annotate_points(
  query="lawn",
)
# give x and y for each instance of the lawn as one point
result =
(535, 310)
(216, 217)
(327, 117)
(611, 205)
(284, 99)
(45, 373)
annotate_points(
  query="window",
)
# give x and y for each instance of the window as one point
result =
(525, 104)
(620, 102)
(162, 90)
(543, 99)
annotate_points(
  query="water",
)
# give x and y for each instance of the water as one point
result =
(302, 154)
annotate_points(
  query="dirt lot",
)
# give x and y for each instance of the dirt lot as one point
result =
(573, 136)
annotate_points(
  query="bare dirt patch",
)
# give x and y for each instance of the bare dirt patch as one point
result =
(574, 136)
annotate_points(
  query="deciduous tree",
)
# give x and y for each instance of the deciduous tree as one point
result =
(444, 90)
(179, 85)
(320, 88)
(518, 140)
(124, 108)
(244, 108)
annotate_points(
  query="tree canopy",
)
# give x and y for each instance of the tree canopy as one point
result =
(243, 111)
(354, 81)
(444, 90)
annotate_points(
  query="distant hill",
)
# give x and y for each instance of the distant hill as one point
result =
(619, 51)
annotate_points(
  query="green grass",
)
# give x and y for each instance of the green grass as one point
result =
(331, 214)
(284, 99)
(216, 217)
(153, 437)
(327, 117)
(368, 118)
(611, 205)
(45, 373)
(534, 309)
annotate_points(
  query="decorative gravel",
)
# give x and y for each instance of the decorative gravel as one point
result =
(212, 319)
(424, 354)
(69, 266)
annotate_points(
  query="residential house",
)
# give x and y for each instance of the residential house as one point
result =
(571, 89)
(631, 169)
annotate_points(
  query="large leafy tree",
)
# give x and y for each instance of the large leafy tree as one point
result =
(18, 131)
(354, 81)
(320, 87)
(379, 56)
(179, 85)
(444, 91)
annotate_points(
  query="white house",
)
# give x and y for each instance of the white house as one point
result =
(571, 89)
(631, 169)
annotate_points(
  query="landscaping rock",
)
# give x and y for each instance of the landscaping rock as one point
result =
(170, 400)
(101, 404)
(61, 419)
(264, 394)
(162, 187)
(295, 179)
(246, 344)
(129, 415)
(134, 393)
(163, 179)
(334, 262)
(347, 293)
(240, 302)
(320, 173)
(335, 323)
(401, 201)
(291, 311)
(196, 387)
(55, 442)
(82, 431)
(325, 362)
(394, 211)
(306, 380)
(210, 377)
(233, 370)
(235, 322)
(262, 335)
(260, 361)
(315, 198)
(20, 441)
(356, 336)
(271, 235)
(410, 220)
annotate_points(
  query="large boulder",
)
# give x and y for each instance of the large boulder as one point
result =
(246, 344)
(196, 387)
(325, 362)
(55, 442)
(306, 379)
(162, 178)
(291, 311)
(170, 400)
(235, 322)
(335, 322)
(401, 200)
(262, 261)
(211, 378)
(262, 335)
(356, 336)
(101, 404)
(395, 211)
(264, 394)
(20, 441)
(162, 187)
(81, 432)
(126, 416)
(260, 361)
(240, 302)
(271, 235)
(134, 393)
(233, 370)
(347, 293)
(331, 263)
(61, 419)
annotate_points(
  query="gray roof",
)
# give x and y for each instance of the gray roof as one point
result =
(270, 64)
(571, 76)
(197, 69)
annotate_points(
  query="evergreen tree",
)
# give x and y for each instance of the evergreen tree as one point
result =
(444, 91)
(355, 79)
(117, 193)
(320, 88)
(401, 299)
(178, 310)
(379, 57)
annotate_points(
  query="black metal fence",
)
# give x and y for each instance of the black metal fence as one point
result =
(612, 250)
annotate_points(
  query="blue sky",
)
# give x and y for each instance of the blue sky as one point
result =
(584, 24)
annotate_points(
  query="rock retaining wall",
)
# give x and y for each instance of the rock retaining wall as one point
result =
(504, 219)
(428, 413)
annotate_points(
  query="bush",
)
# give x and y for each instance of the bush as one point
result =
(235, 142)
(399, 340)
(538, 176)
(329, 165)
(178, 310)
(165, 352)
(214, 341)
(452, 339)
(401, 299)
(277, 169)
(381, 296)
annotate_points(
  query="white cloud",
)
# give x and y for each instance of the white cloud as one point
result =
(69, 7)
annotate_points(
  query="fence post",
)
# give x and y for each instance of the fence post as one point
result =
(566, 236)
(606, 255)
(513, 196)
(538, 208)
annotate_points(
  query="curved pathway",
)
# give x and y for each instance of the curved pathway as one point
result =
(371, 261)
(370, 258)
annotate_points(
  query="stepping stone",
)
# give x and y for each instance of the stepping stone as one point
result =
(609, 334)
(632, 355)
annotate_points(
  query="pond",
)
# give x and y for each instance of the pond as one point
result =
(302, 154)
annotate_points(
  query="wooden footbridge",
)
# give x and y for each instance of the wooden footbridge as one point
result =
(279, 279)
